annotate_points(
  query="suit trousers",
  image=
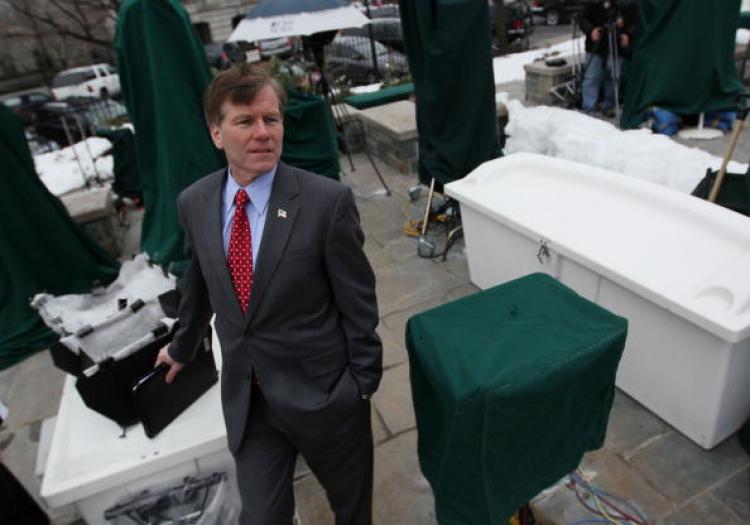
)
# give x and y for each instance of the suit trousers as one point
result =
(266, 461)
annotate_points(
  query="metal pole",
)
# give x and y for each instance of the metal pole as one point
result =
(427, 208)
(73, 147)
(614, 67)
(86, 144)
(372, 41)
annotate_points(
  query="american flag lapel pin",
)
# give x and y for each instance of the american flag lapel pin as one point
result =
(281, 214)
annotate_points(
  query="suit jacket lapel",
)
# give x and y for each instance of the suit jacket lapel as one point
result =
(280, 217)
(213, 236)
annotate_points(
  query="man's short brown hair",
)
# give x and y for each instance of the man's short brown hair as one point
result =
(238, 84)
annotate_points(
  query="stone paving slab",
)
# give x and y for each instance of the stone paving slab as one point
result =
(735, 494)
(403, 285)
(394, 350)
(615, 475)
(393, 400)
(705, 510)
(37, 379)
(681, 470)
(631, 426)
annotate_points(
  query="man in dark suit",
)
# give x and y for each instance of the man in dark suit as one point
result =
(276, 253)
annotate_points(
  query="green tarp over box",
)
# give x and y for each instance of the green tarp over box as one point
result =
(163, 73)
(683, 58)
(448, 46)
(41, 248)
(511, 386)
(309, 137)
(380, 97)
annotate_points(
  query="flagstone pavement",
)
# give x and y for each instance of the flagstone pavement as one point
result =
(644, 460)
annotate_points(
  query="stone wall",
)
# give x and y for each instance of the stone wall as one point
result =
(391, 134)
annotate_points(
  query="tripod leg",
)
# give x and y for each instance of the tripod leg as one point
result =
(377, 171)
(346, 149)
(614, 69)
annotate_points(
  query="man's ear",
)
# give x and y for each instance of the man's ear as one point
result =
(216, 135)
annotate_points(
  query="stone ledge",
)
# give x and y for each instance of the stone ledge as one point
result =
(397, 119)
(88, 205)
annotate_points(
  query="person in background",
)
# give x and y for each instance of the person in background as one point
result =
(603, 22)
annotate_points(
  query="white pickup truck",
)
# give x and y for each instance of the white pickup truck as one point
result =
(97, 80)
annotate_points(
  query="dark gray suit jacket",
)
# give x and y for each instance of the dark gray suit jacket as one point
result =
(310, 331)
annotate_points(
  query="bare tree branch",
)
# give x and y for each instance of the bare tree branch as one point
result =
(83, 20)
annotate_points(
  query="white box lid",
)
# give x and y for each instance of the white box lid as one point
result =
(687, 255)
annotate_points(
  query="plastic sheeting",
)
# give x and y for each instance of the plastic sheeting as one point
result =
(200, 501)
(511, 386)
(138, 280)
(41, 249)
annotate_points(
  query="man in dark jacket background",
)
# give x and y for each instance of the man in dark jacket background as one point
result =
(604, 22)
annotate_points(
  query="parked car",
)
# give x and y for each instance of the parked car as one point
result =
(25, 104)
(387, 31)
(276, 47)
(98, 80)
(519, 22)
(351, 56)
(557, 11)
(80, 115)
(216, 56)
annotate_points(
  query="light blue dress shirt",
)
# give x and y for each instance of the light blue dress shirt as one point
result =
(259, 191)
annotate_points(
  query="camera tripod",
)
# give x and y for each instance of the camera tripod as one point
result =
(614, 58)
(569, 93)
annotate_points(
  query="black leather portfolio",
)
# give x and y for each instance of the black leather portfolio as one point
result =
(157, 403)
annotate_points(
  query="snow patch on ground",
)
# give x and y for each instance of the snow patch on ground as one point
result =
(509, 68)
(571, 135)
(67, 169)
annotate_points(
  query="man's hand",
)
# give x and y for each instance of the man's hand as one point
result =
(624, 40)
(596, 34)
(174, 366)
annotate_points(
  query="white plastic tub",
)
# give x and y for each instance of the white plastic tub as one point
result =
(92, 465)
(676, 267)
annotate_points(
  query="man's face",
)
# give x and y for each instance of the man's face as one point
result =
(251, 135)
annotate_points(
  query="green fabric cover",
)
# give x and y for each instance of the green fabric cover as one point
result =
(510, 386)
(448, 46)
(734, 193)
(744, 435)
(41, 248)
(380, 97)
(683, 59)
(309, 137)
(127, 183)
(163, 73)
(744, 20)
